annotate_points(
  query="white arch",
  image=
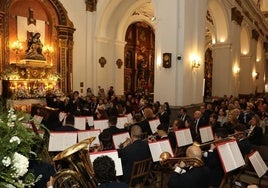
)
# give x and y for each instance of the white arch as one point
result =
(244, 40)
(116, 17)
(220, 20)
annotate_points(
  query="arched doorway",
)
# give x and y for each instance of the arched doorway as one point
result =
(139, 58)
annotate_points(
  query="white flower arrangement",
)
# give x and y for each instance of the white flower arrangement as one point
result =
(15, 146)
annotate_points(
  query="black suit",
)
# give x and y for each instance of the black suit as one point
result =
(164, 118)
(114, 130)
(196, 177)
(194, 128)
(255, 136)
(216, 172)
(137, 151)
(38, 167)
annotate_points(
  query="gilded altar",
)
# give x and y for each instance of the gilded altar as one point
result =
(29, 79)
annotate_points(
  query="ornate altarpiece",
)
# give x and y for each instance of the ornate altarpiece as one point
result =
(58, 33)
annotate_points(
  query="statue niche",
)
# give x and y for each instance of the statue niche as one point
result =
(34, 50)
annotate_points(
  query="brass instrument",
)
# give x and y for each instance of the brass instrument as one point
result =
(235, 136)
(76, 169)
(166, 160)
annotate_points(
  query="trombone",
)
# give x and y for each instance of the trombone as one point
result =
(235, 136)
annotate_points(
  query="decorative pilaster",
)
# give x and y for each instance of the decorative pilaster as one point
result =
(66, 57)
(91, 5)
(2, 14)
(236, 16)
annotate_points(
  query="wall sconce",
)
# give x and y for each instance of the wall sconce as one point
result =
(256, 75)
(236, 70)
(17, 47)
(195, 63)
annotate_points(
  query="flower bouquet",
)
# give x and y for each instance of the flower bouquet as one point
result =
(15, 145)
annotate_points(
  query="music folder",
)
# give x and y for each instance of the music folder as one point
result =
(258, 164)
(153, 125)
(183, 137)
(158, 147)
(119, 139)
(90, 120)
(206, 134)
(59, 141)
(80, 123)
(230, 155)
(101, 124)
(121, 121)
(82, 135)
(112, 154)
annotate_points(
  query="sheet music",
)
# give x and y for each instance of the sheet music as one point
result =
(157, 148)
(80, 123)
(153, 125)
(101, 124)
(230, 155)
(206, 134)
(114, 155)
(258, 164)
(61, 140)
(119, 139)
(183, 137)
(90, 120)
(82, 135)
(129, 118)
(121, 121)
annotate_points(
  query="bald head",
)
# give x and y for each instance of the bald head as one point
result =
(194, 152)
(136, 132)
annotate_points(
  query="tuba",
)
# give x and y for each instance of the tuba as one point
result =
(167, 161)
(75, 168)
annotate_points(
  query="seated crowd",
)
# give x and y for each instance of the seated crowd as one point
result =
(226, 116)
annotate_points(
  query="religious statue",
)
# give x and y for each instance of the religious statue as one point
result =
(34, 50)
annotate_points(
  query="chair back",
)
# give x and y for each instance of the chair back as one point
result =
(140, 171)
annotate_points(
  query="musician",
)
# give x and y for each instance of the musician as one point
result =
(255, 131)
(133, 150)
(242, 140)
(212, 159)
(69, 124)
(105, 173)
(106, 142)
(112, 121)
(191, 177)
(162, 132)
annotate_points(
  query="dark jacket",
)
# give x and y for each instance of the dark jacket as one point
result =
(137, 151)
(196, 177)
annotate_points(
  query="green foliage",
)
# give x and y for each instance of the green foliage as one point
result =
(16, 143)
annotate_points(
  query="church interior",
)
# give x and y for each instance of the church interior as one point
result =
(152, 63)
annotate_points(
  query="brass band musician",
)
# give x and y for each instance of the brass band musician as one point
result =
(193, 176)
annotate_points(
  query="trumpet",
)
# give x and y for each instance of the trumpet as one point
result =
(151, 137)
(166, 160)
